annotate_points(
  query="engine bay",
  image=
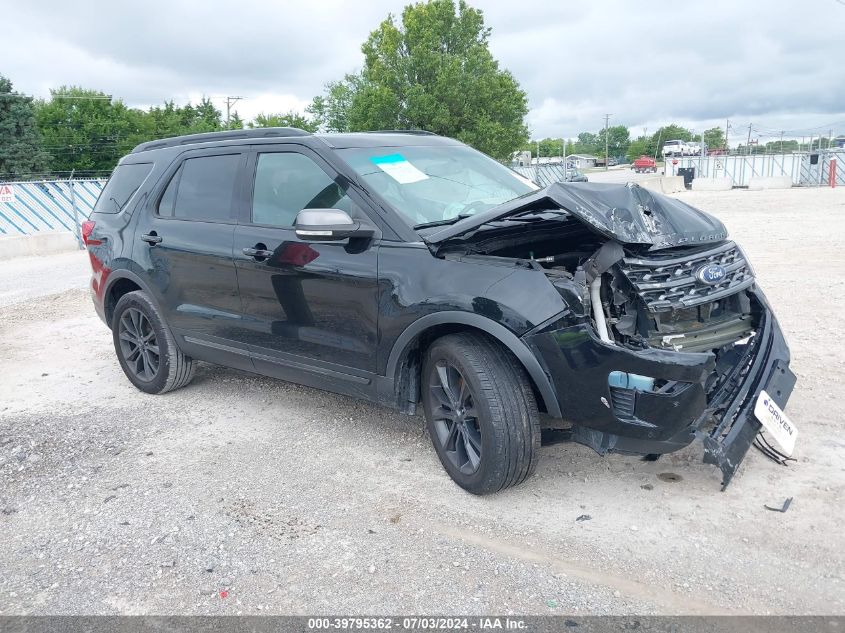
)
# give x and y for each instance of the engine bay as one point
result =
(645, 299)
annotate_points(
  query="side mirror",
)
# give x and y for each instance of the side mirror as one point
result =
(329, 225)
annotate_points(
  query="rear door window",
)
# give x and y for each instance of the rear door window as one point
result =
(202, 189)
(124, 182)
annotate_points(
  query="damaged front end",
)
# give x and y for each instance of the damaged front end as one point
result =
(666, 336)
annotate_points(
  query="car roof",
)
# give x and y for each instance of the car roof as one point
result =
(387, 138)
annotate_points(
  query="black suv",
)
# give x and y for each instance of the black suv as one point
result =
(407, 268)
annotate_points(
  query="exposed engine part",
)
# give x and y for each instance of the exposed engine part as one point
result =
(598, 310)
(638, 298)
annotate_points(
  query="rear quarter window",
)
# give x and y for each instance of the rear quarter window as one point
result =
(124, 182)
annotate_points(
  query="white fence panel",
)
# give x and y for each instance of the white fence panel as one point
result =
(741, 169)
(27, 208)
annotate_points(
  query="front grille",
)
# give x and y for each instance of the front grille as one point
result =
(671, 283)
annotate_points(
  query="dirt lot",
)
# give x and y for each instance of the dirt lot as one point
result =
(241, 494)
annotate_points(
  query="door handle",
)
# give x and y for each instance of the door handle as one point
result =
(151, 238)
(258, 252)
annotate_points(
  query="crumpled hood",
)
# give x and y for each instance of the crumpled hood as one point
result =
(628, 213)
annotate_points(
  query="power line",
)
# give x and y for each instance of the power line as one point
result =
(82, 98)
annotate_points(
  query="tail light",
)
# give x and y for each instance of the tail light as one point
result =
(87, 230)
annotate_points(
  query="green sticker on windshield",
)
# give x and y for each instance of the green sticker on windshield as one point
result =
(397, 167)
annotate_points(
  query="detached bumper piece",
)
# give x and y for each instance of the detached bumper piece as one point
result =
(765, 365)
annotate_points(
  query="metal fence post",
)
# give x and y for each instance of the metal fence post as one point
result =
(75, 212)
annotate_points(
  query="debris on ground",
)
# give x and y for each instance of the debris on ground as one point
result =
(783, 508)
(669, 477)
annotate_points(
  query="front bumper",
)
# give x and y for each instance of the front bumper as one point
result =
(728, 427)
(699, 399)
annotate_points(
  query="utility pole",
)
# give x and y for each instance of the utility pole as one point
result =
(748, 145)
(657, 146)
(727, 127)
(230, 101)
(606, 157)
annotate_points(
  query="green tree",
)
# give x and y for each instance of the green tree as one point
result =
(641, 146)
(86, 130)
(670, 133)
(432, 70)
(331, 110)
(786, 147)
(206, 118)
(20, 145)
(714, 138)
(172, 120)
(618, 140)
(550, 147)
(235, 122)
(587, 143)
(288, 119)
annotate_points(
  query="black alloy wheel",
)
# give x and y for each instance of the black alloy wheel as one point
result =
(139, 345)
(145, 348)
(480, 411)
(455, 418)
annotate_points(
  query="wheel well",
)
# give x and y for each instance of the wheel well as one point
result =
(409, 367)
(117, 290)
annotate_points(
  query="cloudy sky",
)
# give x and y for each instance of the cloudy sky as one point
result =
(774, 64)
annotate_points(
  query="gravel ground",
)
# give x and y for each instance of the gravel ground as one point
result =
(240, 494)
(26, 278)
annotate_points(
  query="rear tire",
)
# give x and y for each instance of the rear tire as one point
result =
(481, 413)
(145, 346)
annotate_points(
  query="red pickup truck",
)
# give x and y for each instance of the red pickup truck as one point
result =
(644, 164)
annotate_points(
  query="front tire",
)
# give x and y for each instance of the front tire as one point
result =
(145, 347)
(481, 413)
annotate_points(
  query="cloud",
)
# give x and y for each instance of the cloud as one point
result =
(696, 63)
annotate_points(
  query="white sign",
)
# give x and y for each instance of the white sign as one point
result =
(7, 193)
(775, 422)
(397, 167)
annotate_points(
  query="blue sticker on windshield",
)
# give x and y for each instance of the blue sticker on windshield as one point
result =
(390, 158)
(397, 167)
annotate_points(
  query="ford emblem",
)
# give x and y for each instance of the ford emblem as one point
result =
(711, 274)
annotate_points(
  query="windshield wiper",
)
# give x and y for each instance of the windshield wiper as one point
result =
(531, 214)
(457, 218)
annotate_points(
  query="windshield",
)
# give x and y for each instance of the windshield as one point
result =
(436, 184)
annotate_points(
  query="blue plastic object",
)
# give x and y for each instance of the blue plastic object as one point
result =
(630, 381)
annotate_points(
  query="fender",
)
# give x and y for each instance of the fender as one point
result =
(499, 332)
(125, 273)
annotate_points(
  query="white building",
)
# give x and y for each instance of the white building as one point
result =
(581, 161)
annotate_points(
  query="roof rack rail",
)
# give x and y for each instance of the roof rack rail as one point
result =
(415, 132)
(206, 137)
